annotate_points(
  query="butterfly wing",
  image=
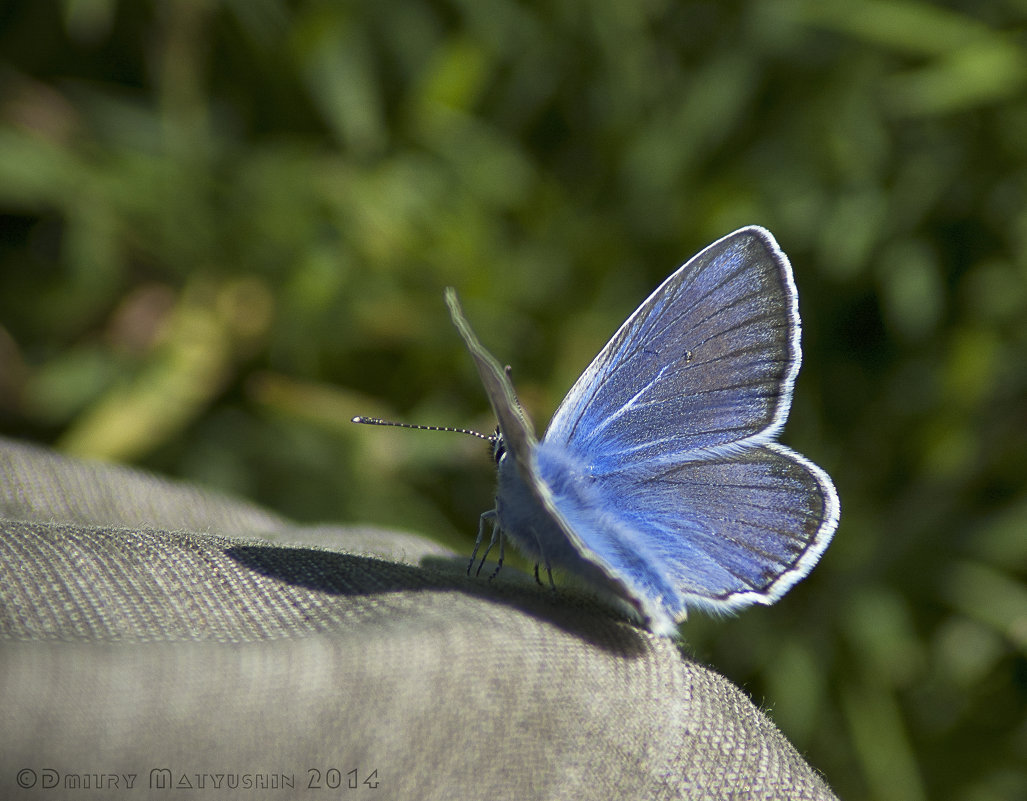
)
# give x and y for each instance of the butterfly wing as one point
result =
(672, 428)
(708, 360)
(722, 532)
(513, 423)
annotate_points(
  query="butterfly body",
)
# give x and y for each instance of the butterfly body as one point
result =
(539, 537)
(660, 480)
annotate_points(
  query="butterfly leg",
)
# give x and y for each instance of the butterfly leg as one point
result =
(486, 517)
(499, 565)
(549, 572)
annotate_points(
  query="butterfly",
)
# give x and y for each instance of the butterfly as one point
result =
(660, 482)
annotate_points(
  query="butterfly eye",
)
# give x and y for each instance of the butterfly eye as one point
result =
(498, 446)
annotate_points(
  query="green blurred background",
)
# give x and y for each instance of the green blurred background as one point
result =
(225, 228)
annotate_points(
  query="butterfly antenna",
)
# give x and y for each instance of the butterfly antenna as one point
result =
(377, 421)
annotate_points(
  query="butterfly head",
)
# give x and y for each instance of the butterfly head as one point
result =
(498, 445)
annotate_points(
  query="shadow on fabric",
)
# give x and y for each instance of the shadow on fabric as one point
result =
(334, 573)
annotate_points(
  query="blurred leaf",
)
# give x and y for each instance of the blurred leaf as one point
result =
(883, 745)
(991, 596)
(194, 362)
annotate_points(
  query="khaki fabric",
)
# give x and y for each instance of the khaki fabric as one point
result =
(153, 634)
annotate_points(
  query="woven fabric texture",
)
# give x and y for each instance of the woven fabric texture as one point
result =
(153, 634)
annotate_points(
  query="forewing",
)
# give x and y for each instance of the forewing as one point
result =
(725, 531)
(708, 360)
(513, 423)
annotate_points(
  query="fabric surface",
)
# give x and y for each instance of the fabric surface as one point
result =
(153, 634)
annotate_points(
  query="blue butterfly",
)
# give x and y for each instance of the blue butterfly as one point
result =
(660, 480)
